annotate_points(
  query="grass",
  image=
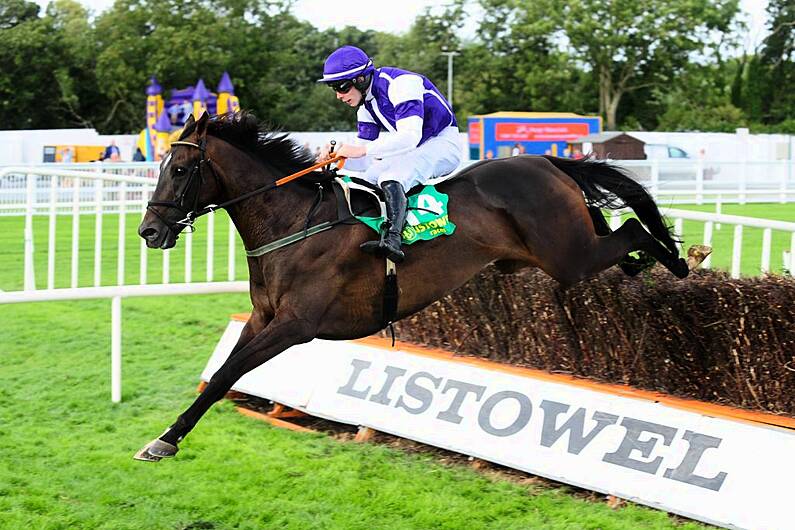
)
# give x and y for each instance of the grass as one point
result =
(723, 237)
(12, 238)
(12, 247)
(66, 450)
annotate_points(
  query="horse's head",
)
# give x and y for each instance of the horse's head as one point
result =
(186, 184)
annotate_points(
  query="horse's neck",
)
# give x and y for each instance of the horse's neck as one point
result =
(269, 215)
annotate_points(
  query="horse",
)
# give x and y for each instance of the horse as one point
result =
(523, 211)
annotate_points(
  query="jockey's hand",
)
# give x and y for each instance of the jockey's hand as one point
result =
(351, 151)
(324, 155)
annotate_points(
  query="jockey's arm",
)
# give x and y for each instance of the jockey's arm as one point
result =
(407, 135)
(406, 138)
(406, 95)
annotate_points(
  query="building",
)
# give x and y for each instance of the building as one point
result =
(612, 145)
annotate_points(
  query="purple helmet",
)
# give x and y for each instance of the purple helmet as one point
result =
(347, 62)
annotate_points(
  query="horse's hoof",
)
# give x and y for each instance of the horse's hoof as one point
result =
(680, 269)
(696, 255)
(155, 451)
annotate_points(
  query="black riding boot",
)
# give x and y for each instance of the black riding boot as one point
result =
(389, 244)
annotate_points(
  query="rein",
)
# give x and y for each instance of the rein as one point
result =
(191, 215)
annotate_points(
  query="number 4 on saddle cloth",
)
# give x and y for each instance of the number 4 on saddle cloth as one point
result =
(427, 216)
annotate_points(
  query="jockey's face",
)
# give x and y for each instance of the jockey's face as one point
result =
(352, 97)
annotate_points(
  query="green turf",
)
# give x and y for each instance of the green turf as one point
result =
(65, 449)
(723, 237)
(12, 240)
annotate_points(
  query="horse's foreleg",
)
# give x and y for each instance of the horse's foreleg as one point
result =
(279, 335)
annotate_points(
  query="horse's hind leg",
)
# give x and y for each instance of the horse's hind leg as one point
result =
(631, 265)
(631, 236)
(600, 253)
(279, 335)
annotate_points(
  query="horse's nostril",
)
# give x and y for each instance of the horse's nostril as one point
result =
(148, 233)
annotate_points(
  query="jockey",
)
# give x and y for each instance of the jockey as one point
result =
(408, 130)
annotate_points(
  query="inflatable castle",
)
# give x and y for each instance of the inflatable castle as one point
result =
(165, 118)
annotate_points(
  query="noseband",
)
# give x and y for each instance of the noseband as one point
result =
(196, 176)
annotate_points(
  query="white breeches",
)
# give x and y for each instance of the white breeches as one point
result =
(437, 157)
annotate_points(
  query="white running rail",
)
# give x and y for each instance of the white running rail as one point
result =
(53, 192)
(102, 191)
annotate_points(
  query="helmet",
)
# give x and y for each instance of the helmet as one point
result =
(348, 63)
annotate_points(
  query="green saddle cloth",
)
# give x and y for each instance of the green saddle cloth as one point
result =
(426, 219)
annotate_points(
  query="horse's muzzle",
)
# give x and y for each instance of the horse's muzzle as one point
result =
(157, 236)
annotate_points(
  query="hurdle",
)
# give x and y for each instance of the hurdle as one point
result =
(717, 464)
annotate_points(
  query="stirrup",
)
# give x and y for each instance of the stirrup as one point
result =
(393, 252)
(377, 246)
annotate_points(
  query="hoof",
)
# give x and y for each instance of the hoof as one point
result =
(680, 268)
(155, 451)
(696, 255)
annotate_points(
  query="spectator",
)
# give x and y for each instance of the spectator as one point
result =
(68, 154)
(489, 154)
(576, 154)
(112, 152)
(138, 156)
(515, 151)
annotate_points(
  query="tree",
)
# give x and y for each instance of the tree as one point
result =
(627, 45)
(515, 65)
(778, 58)
(30, 53)
(81, 101)
(15, 12)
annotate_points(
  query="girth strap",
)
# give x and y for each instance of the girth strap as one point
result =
(289, 240)
(391, 297)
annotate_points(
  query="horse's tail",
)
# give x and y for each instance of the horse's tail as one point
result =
(607, 186)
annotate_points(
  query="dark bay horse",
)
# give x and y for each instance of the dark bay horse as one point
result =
(514, 212)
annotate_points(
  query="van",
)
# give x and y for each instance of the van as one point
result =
(664, 151)
(675, 163)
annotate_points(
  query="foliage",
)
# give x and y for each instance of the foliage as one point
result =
(650, 64)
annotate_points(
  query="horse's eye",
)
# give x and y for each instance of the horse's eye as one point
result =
(179, 172)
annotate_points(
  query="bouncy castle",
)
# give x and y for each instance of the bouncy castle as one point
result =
(165, 118)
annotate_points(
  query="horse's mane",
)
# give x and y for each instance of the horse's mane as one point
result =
(270, 145)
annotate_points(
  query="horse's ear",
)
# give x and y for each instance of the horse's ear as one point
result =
(201, 125)
(190, 121)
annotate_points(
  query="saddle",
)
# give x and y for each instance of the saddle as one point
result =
(358, 197)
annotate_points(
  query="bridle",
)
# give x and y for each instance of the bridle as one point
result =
(196, 175)
(182, 196)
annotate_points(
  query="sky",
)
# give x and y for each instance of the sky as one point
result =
(396, 17)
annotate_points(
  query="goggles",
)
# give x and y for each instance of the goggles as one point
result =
(341, 87)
